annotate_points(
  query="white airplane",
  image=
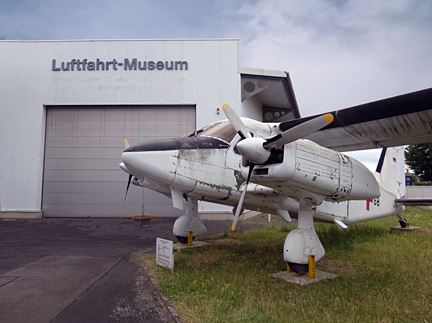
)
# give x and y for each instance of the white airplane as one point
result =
(294, 168)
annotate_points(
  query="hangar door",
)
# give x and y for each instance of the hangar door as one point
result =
(83, 150)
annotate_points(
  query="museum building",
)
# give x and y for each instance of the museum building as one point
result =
(66, 107)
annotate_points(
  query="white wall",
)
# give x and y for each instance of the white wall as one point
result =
(28, 84)
(252, 108)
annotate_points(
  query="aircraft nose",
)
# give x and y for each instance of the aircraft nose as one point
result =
(159, 165)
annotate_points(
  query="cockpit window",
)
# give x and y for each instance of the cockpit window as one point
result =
(222, 130)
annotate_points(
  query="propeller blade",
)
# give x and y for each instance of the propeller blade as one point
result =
(236, 121)
(240, 205)
(126, 143)
(128, 184)
(299, 131)
(127, 189)
(238, 210)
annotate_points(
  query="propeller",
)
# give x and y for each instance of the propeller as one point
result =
(244, 133)
(257, 150)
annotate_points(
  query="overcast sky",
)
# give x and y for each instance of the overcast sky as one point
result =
(338, 53)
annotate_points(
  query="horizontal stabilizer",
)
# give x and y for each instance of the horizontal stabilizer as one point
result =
(414, 202)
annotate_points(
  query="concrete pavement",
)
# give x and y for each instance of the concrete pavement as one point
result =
(81, 270)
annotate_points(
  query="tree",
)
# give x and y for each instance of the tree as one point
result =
(419, 159)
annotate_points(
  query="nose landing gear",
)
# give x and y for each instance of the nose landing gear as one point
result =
(303, 242)
(189, 222)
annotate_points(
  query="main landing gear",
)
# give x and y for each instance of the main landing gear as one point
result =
(403, 222)
(189, 222)
(302, 242)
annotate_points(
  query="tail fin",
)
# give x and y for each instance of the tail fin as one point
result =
(391, 169)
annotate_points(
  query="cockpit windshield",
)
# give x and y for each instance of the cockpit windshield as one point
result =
(222, 130)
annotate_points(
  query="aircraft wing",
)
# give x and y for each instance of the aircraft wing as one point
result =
(397, 121)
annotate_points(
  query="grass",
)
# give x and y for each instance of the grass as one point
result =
(384, 276)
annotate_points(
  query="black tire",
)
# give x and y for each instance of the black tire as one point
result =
(183, 240)
(300, 269)
(403, 223)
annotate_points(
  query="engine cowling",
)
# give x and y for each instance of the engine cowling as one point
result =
(309, 167)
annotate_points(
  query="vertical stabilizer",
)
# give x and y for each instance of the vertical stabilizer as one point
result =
(391, 170)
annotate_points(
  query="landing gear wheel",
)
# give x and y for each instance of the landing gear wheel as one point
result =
(403, 223)
(300, 269)
(183, 240)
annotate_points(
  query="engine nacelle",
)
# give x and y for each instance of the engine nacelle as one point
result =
(309, 167)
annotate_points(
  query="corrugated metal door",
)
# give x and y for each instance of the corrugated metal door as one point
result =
(82, 152)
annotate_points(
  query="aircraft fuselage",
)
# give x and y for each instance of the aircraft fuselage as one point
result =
(209, 168)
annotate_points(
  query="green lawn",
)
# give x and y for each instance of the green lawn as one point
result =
(384, 276)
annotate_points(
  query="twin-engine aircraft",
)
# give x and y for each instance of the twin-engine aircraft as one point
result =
(294, 168)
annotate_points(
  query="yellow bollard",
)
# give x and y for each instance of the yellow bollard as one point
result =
(190, 238)
(289, 270)
(312, 268)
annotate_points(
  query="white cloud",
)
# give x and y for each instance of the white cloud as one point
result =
(338, 53)
(341, 55)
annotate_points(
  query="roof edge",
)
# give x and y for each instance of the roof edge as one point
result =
(112, 40)
(262, 72)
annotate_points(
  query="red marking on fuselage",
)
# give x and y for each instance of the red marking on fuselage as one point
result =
(367, 204)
